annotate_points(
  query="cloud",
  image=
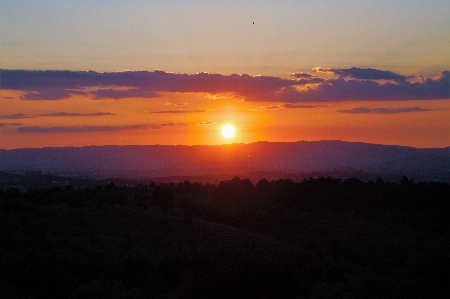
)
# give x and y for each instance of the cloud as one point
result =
(52, 85)
(179, 111)
(337, 90)
(265, 108)
(74, 114)
(297, 106)
(353, 84)
(176, 104)
(16, 116)
(282, 106)
(10, 124)
(123, 94)
(50, 94)
(259, 109)
(302, 75)
(205, 123)
(87, 129)
(162, 125)
(363, 73)
(55, 114)
(76, 129)
(362, 110)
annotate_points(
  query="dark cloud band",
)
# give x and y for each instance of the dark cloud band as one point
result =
(354, 84)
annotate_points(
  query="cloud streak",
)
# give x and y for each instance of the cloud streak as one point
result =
(76, 129)
(362, 110)
(353, 84)
(17, 116)
(180, 111)
(91, 129)
(283, 106)
(50, 94)
(55, 114)
(297, 106)
(205, 123)
(10, 124)
(74, 114)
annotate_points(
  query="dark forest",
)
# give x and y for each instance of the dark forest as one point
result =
(318, 238)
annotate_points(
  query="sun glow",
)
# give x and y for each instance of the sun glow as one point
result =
(228, 131)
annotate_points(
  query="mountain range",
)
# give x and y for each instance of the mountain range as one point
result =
(259, 157)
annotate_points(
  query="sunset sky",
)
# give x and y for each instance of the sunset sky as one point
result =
(76, 73)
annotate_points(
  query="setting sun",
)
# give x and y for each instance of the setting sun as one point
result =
(228, 131)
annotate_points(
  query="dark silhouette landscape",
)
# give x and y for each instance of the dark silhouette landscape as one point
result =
(307, 220)
(319, 238)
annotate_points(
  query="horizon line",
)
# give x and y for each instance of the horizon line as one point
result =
(225, 144)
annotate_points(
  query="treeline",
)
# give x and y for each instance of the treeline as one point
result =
(241, 203)
(318, 238)
(326, 193)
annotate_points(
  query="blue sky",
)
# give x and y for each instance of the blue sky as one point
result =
(410, 37)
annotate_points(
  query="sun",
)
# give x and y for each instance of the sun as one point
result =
(228, 131)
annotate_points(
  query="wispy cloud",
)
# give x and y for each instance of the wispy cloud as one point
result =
(162, 125)
(10, 124)
(74, 114)
(362, 110)
(54, 114)
(297, 106)
(205, 123)
(259, 109)
(87, 129)
(16, 116)
(353, 84)
(178, 111)
(283, 106)
(176, 104)
(363, 73)
(301, 75)
(50, 94)
(76, 129)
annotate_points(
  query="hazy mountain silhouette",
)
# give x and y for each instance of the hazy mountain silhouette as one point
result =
(161, 160)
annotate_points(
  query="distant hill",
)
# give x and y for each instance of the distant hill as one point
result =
(180, 160)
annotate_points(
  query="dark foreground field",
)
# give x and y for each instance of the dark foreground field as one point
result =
(321, 238)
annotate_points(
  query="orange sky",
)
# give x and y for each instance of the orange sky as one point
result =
(197, 118)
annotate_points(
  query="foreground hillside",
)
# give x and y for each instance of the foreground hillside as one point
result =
(321, 238)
